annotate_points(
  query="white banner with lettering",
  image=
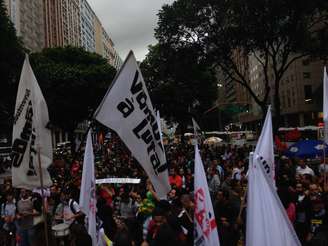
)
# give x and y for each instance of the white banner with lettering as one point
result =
(30, 134)
(127, 109)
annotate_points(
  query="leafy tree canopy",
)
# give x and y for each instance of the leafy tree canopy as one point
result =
(11, 58)
(275, 32)
(73, 82)
(180, 84)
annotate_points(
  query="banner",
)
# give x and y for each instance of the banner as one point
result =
(325, 103)
(88, 189)
(118, 181)
(267, 221)
(264, 146)
(205, 233)
(30, 134)
(127, 109)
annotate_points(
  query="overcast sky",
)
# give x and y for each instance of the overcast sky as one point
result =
(130, 23)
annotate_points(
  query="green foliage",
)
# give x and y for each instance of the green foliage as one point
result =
(11, 60)
(275, 32)
(180, 84)
(73, 82)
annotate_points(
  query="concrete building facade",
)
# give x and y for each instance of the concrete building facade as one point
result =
(88, 17)
(58, 23)
(299, 91)
(27, 17)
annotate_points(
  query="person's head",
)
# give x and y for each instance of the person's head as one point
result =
(313, 191)
(186, 200)
(172, 194)
(212, 171)
(301, 163)
(159, 216)
(24, 193)
(222, 196)
(306, 180)
(181, 172)
(138, 198)
(172, 172)
(10, 197)
(317, 205)
(299, 188)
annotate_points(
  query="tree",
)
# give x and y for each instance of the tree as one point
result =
(275, 32)
(73, 82)
(180, 84)
(11, 60)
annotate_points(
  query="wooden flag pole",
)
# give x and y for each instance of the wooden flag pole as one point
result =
(44, 213)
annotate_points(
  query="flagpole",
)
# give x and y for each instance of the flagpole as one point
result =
(324, 165)
(43, 200)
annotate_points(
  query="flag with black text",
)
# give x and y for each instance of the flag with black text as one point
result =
(127, 109)
(30, 134)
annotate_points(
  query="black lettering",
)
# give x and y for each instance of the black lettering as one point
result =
(156, 131)
(162, 168)
(126, 108)
(149, 115)
(147, 137)
(140, 127)
(18, 150)
(136, 87)
(142, 100)
(151, 147)
(155, 162)
(267, 168)
(27, 131)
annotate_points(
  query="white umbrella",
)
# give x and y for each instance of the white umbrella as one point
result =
(213, 140)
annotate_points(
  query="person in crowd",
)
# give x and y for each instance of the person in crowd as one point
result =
(226, 216)
(25, 214)
(237, 170)
(175, 179)
(214, 181)
(185, 218)
(303, 208)
(8, 217)
(128, 208)
(160, 232)
(318, 224)
(303, 168)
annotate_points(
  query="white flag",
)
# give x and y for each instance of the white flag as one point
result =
(325, 103)
(88, 189)
(158, 119)
(127, 109)
(197, 131)
(205, 233)
(267, 221)
(264, 146)
(30, 134)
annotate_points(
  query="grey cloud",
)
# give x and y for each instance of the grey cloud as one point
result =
(130, 23)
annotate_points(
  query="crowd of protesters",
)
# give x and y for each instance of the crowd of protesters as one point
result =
(132, 214)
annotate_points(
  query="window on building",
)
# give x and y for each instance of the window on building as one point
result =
(308, 96)
(306, 75)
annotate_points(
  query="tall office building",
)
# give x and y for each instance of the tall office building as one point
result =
(104, 45)
(57, 23)
(88, 41)
(27, 17)
(62, 23)
(300, 89)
